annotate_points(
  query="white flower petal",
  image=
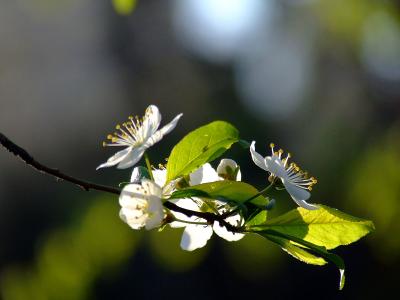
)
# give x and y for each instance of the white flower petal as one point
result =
(141, 205)
(158, 135)
(136, 175)
(257, 158)
(155, 219)
(151, 188)
(132, 158)
(160, 176)
(188, 204)
(131, 196)
(228, 163)
(134, 220)
(275, 167)
(116, 158)
(299, 195)
(195, 236)
(204, 174)
(171, 125)
(225, 233)
(150, 124)
(153, 116)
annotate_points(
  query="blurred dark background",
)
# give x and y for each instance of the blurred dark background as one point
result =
(318, 78)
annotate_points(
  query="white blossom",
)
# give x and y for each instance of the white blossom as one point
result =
(137, 136)
(196, 235)
(296, 182)
(141, 205)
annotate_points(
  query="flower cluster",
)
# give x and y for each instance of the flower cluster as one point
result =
(145, 199)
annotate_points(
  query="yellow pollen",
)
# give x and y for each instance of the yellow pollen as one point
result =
(104, 144)
(118, 127)
(271, 145)
(280, 151)
(309, 188)
(289, 155)
(110, 137)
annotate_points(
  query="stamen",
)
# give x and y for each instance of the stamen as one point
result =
(272, 145)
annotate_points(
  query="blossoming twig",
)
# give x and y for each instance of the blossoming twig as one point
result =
(87, 186)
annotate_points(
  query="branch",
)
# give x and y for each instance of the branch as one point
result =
(29, 160)
(85, 185)
(209, 217)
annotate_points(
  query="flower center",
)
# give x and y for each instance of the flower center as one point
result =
(128, 134)
(293, 172)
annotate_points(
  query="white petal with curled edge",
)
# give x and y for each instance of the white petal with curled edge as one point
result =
(225, 233)
(257, 158)
(228, 163)
(204, 174)
(116, 158)
(154, 117)
(132, 158)
(299, 195)
(195, 236)
(158, 135)
(171, 125)
(151, 122)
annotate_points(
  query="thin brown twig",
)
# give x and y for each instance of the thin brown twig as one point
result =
(29, 160)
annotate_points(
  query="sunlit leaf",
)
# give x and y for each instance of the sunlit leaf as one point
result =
(257, 217)
(226, 190)
(325, 226)
(298, 252)
(310, 247)
(200, 146)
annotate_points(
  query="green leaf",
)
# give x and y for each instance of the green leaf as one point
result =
(232, 192)
(297, 252)
(199, 147)
(189, 193)
(325, 226)
(315, 249)
(229, 191)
